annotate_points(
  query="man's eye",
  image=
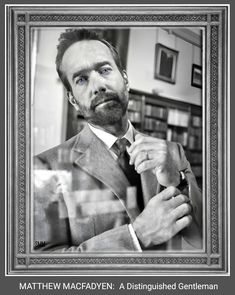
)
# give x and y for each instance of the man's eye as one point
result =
(105, 71)
(81, 80)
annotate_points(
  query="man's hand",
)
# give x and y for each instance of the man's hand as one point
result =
(164, 216)
(149, 153)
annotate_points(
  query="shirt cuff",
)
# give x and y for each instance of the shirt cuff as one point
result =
(134, 238)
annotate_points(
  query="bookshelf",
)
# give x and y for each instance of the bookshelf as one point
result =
(171, 120)
(163, 118)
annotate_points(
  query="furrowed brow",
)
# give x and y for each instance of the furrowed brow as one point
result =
(96, 66)
(100, 64)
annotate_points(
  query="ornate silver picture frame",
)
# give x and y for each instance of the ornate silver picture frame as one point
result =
(213, 259)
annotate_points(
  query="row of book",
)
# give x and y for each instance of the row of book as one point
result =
(174, 135)
(135, 117)
(194, 143)
(178, 118)
(134, 105)
(155, 125)
(174, 117)
(196, 121)
(155, 111)
(196, 132)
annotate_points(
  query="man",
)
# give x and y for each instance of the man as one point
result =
(95, 200)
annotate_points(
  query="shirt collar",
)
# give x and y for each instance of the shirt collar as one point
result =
(109, 139)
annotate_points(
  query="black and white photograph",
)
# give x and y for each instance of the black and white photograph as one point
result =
(83, 200)
(116, 140)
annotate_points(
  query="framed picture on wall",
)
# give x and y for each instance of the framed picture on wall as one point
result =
(165, 63)
(196, 76)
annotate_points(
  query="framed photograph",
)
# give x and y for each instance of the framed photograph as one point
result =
(57, 229)
(165, 63)
(196, 76)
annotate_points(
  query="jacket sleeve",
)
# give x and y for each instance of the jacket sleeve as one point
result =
(193, 233)
(117, 239)
(114, 240)
(53, 230)
(53, 224)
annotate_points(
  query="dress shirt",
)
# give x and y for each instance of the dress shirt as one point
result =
(109, 139)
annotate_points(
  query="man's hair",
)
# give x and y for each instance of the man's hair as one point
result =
(71, 36)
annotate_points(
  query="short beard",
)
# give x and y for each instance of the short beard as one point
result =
(109, 114)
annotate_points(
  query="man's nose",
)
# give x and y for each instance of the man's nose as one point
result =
(99, 89)
(97, 84)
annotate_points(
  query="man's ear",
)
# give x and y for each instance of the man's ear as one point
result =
(126, 79)
(72, 100)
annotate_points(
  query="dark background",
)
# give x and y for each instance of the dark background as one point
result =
(9, 285)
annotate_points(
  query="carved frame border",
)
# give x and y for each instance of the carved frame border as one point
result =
(214, 257)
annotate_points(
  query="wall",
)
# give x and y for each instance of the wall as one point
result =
(141, 59)
(49, 104)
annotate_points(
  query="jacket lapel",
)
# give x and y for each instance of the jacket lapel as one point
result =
(91, 155)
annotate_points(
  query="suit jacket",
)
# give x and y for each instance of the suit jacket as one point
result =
(84, 202)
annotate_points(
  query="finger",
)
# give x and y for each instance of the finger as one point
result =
(140, 139)
(179, 200)
(141, 157)
(169, 192)
(151, 151)
(183, 222)
(145, 165)
(148, 138)
(140, 148)
(182, 210)
(152, 160)
(146, 143)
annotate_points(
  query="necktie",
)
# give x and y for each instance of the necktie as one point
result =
(119, 148)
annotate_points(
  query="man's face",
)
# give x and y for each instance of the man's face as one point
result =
(98, 87)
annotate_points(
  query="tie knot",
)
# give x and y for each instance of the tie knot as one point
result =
(120, 145)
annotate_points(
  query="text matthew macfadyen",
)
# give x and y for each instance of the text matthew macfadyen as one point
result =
(111, 286)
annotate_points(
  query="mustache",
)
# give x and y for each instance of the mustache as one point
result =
(103, 97)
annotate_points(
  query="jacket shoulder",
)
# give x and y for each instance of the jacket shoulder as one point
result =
(53, 155)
